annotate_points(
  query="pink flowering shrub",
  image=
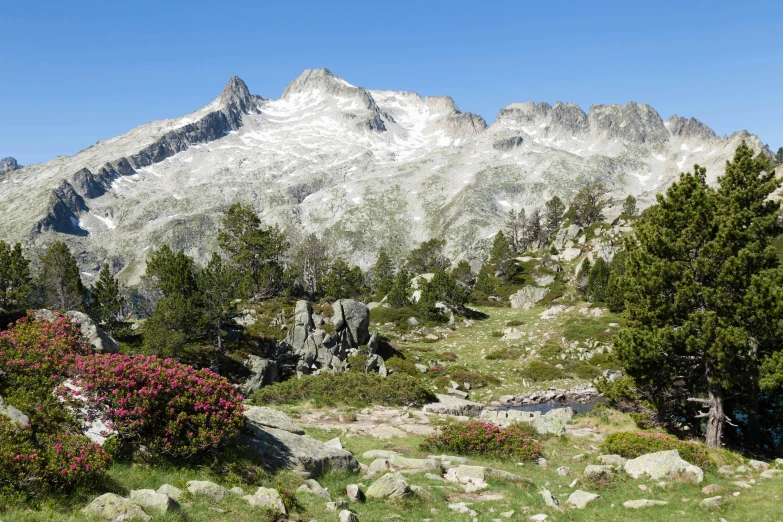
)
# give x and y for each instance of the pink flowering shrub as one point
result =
(170, 407)
(632, 445)
(485, 439)
(32, 463)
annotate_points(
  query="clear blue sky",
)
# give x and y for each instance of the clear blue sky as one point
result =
(74, 73)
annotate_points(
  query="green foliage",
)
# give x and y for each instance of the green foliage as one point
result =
(428, 257)
(484, 282)
(398, 295)
(15, 282)
(59, 278)
(779, 156)
(254, 250)
(171, 273)
(632, 445)
(583, 275)
(463, 273)
(589, 203)
(477, 438)
(541, 371)
(586, 371)
(597, 281)
(107, 300)
(586, 328)
(398, 365)
(504, 353)
(344, 281)
(554, 215)
(177, 321)
(443, 288)
(629, 207)
(311, 263)
(219, 286)
(501, 257)
(703, 297)
(383, 274)
(354, 389)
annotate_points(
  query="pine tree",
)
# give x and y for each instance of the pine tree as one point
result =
(629, 207)
(428, 257)
(15, 282)
(443, 288)
(501, 257)
(463, 273)
(516, 230)
(171, 273)
(554, 215)
(589, 203)
(703, 295)
(398, 295)
(107, 299)
(383, 274)
(484, 282)
(344, 281)
(597, 281)
(312, 260)
(779, 156)
(219, 287)
(59, 278)
(535, 229)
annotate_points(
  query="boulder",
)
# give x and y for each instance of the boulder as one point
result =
(549, 499)
(615, 461)
(115, 508)
(353, 318)
(569, 254)
(313, 487)
(598, 471)
(454, 406)
(391, 485)
(264, 372)
(354, 493)
(758, 465)
(554, 421)
(347, 515)
(579, 499)
(661, 464)
(267, 498)
(527, 297)
(379, 454)
(480, 473)
(171, 491)
(407, 463)
(207, 489)
(643, 503)
(260, 417)
(97, 338)
(379, 466)
(711, 502)
(149, 498)
(771, 473)
(12, 413)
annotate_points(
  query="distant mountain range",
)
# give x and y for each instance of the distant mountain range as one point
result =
(365, 169)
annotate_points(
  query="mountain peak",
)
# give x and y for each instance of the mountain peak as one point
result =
(317, 79)
(8, 164)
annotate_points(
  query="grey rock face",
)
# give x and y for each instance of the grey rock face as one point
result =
(527, 297)
(313, 487)
(260, 417)
(8, 164)
(265, 372)
(454, 406)
(115, 508)
(508, 143)
(353, 318)
(267, 498)
(579, 499)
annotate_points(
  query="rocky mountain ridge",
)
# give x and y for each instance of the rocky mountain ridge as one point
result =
(366, 169)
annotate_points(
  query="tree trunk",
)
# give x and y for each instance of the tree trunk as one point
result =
(754, 425)
(715, 416)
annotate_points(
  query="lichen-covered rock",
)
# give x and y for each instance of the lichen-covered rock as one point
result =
(419, 464)
(643, 503)
(207, 489)
(267, 498)
(149, 498)
(263, 373)
(171, 491)
(115, 509)
(263, 417)
(379, 454)
(554, 421)
(661, 464)
(391, 485)
(598, 471)
(711, 502)
(614, 461)
(579, 499)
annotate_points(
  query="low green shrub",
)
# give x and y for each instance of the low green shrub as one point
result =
(448, 356)
(484, 439)
(583, 329)
(399, 365)
(515, 322)
(538, 370)
(550, 351)
(586, 371)
(497, 333)
(353, 389)
(504, 353)
(631, 445)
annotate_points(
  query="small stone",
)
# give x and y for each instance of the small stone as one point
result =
(114, 507)
(354, 493)
(391, 485)
(348, 516)
(207, 489)
(711, 502)
(771, 473)
(598, 471)
(148, 498)
(563, 471)
(742, 484)
(539, 518)
(507, 514)
(267, 498)
(643, 503)
(541, 461)
(579, 499)
(711, 489)
(615, 461)
(379, 454)
(573, 483)
(433, 476)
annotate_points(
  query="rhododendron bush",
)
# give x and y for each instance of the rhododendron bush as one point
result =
(484, 438)
(170, 407)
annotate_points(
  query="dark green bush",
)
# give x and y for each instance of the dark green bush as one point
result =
(540, 371)
(586, 371)
(448, 356)
(503, 353)
(399, 365)
(354, 389)
(631, 445)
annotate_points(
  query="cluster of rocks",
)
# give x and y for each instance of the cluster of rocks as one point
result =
(309, 348)
(582, 393)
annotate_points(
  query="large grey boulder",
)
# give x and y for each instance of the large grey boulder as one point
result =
(554, 421)
(150, 499)
(12, 413)
(115, 509)
(352, 318)
(267, 498)
(661, 464)
(527, 297)
(264, 373)
(391, 485)
(97, 338)
(449, 405)
(579, 499)
(261, 417)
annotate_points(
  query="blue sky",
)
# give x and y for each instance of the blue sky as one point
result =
(78, 72)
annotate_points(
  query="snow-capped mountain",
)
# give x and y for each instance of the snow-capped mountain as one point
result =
(365, 169)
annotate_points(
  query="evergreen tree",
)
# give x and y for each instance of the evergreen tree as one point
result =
(383, 274)
(443, 288)
(255, 251)
(516, 228)
(59, 278)
(501, 257)
(463, 273)
(219, 285)
(15, 282)
(428, 257)
(779, 156)
(554, 215)
(171, 273)
(484, 282)
(344, 282)
(629, 207)
(583, 276)
(535, 229)
(614, 295)
(588, 205)
(312, 261)
(597, 281)
(107, 306)
(398, 295)
(703, 295)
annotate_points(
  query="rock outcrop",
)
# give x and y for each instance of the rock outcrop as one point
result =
(527, 297)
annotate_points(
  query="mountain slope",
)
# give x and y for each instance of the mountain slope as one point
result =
(366, 169)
